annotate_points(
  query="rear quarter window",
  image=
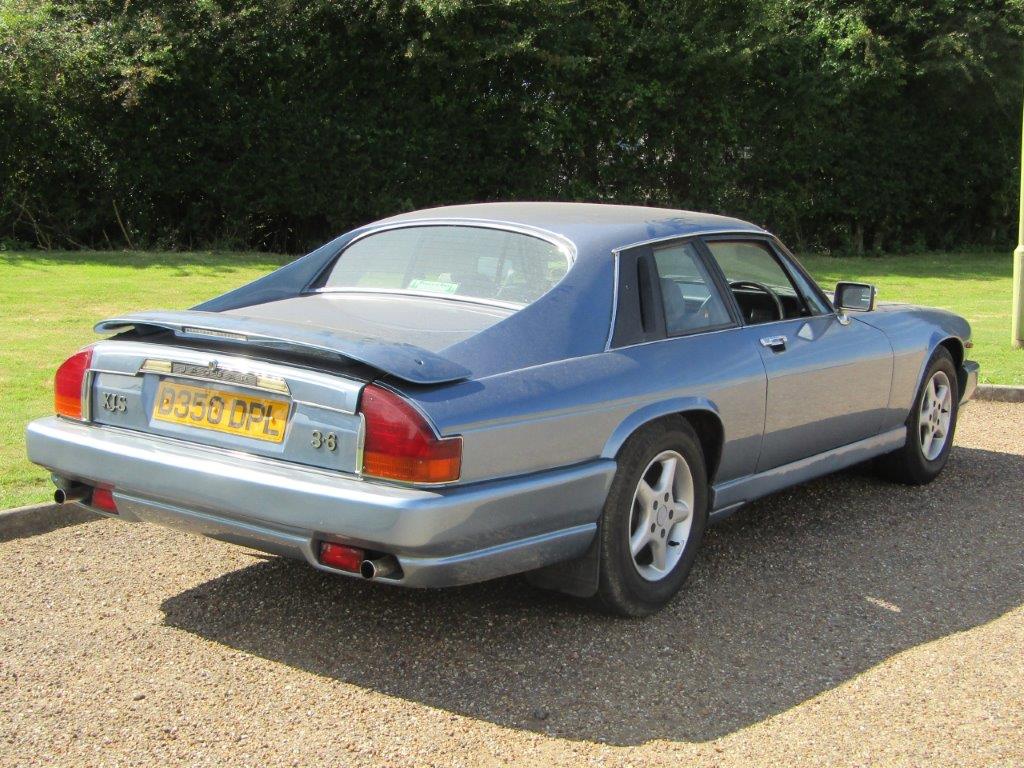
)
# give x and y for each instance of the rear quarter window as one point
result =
(688, 296)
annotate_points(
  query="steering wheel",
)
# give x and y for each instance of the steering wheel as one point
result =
(764, 289)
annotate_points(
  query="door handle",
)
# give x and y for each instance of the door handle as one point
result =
(774, 343)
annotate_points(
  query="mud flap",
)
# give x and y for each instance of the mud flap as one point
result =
(577, 577)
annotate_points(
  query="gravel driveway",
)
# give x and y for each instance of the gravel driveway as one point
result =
(846, 621)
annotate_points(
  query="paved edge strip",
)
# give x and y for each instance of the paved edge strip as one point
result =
(999, 393)
(41, 518)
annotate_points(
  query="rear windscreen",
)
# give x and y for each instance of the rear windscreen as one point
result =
(475, 262)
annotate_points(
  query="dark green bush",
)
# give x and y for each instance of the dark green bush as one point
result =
(274, 124)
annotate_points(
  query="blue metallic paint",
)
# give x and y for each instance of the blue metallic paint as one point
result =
(543, 407)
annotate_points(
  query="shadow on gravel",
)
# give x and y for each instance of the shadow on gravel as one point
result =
(44, 518)
(792, 596)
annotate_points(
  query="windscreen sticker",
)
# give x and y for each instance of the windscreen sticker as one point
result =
(433, 286)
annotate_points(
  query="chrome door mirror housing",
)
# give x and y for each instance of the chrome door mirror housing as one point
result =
(857, 297)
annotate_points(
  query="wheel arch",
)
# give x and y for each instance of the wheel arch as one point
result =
(580, 577)
(951, 344)
(702, 415)
(956, 350)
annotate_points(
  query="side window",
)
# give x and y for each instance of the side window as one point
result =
(760, 285)
(811, 296)
(690, 299)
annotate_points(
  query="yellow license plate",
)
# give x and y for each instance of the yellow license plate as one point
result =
(256, 417)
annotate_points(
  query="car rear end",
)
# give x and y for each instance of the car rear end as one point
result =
(324, 463)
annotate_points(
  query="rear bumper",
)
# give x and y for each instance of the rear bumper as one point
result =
(441, 537)
(968, 380)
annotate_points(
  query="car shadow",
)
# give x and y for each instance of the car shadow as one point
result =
(791, 597)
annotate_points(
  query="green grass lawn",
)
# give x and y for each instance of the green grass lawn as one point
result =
(974, 285)
(48, 305)
(50, 301)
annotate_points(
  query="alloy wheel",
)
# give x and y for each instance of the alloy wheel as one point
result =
(662, 515)
(935, 415)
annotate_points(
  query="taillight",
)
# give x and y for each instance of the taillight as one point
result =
(400, 445)
(67, 384)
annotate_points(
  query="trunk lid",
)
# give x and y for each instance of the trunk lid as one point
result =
(250, 332)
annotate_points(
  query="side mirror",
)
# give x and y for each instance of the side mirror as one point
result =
(859, 297)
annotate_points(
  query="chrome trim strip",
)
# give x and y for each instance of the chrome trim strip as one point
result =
(261, 381)
(422, 294)
(689, 235)
(615, 301)
(113, 372)
(678, 337)
(360, 444)
(330, 408)
(86, 395)
(564, 244)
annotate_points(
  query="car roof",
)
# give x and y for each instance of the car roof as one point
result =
(591, 227)
(571, 320)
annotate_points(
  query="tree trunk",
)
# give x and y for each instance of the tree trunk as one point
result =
(857, 238)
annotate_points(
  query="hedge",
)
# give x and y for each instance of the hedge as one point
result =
(857, 125)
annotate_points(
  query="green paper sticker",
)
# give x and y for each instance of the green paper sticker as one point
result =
(433, 286)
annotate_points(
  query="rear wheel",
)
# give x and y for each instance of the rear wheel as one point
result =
(654, 519)
(930, 426)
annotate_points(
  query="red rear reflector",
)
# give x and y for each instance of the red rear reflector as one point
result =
(103, 498)
(67, 384)
(400, 445)
(341, 557)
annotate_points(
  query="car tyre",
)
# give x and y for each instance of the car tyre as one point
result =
(653, 520)
(930, 426)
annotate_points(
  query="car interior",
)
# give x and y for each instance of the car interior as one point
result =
(761, 287)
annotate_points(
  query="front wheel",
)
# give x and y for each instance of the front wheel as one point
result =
(930, 426)
(654, 519)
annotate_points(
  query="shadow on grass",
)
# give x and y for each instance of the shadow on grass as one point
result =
(791, 597)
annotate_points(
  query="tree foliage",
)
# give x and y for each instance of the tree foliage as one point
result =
(276, 123)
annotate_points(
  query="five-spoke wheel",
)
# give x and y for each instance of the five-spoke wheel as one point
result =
(654, 518)
(930, 425)
(935, 415)
(662, 515)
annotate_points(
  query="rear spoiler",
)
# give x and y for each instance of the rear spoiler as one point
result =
(404, 361)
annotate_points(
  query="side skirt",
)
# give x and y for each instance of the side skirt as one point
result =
(730, 496)
(579, 577)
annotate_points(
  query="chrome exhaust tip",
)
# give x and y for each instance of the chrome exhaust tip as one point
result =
(378, 567)
(74, 492)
